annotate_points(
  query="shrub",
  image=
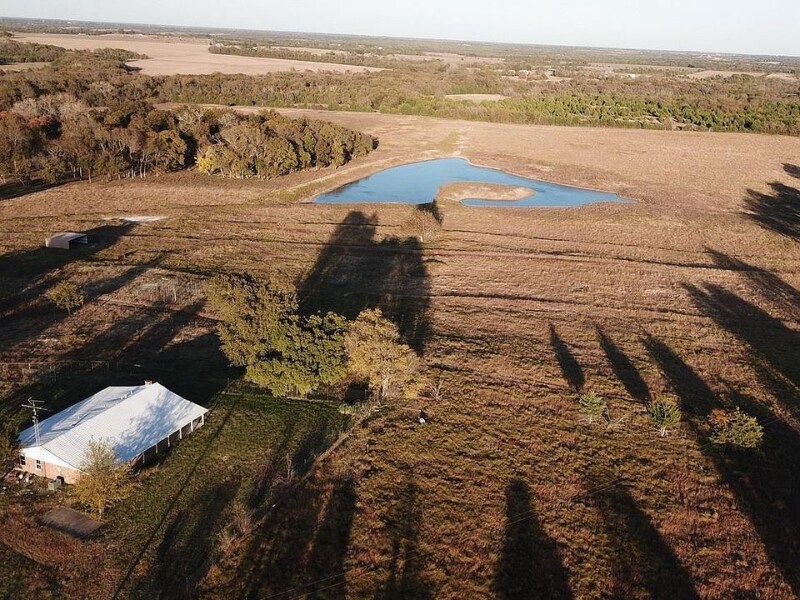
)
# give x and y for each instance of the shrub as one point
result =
(735, 428)
(592, 405)
(664, 414)
(66, 296)
(376, 355)
(104, 479)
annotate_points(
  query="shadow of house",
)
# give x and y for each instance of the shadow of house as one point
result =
(570, 367)
(32, 264)
(778, 211)
(407, 563)
(644, 565)
(25, 277)
(326, 566)
(355, 271)
(530, 565)
(769, 286)
(766, 485)
(624, 369)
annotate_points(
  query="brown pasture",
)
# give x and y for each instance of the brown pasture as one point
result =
(182, 56)
(691, 292)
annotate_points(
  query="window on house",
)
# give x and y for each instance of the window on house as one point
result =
(38, 465)
(21, 460)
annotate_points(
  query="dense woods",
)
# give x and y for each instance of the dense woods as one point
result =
(90, 133)
(15, 52)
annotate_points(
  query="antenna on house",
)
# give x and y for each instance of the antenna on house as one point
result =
(35, 406)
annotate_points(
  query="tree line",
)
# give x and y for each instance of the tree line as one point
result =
(261, 328)
(58, 137)
(739, 103)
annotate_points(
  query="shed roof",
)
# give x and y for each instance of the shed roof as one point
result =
(130, 418)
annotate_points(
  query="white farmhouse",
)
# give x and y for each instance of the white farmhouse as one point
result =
(139, 422)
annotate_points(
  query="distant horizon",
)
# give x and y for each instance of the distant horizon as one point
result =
(694, 26)
(212, 28)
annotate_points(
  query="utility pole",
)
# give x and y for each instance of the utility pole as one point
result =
(35, 406)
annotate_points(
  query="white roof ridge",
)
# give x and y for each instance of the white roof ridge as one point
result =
(87, 419)
(131, 418)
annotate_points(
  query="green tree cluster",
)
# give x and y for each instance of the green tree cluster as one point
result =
(261, 329)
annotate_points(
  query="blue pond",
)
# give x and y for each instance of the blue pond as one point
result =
(419, 183)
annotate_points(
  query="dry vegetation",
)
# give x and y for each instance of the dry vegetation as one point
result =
(691, 292)
(189, 56)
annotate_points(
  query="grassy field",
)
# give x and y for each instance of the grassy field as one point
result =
(176, 55)
(507, 492)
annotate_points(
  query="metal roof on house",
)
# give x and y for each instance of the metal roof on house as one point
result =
(130, 418)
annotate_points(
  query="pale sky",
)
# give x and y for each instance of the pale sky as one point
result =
(744, 26)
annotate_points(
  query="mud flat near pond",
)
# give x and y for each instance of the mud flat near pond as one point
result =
(458, 192)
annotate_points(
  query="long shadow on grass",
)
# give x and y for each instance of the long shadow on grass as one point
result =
(769, 286)
(407, 563)
(326, 564)
(778, 210)
(355, 270)
(184, 554)
(624, 368)
(300, 550)
(765, 483)
(530, 565)
(774, 347)
(27, 324)
(570, 367)
(644, 564)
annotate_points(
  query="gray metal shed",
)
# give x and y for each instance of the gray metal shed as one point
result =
(65, 239)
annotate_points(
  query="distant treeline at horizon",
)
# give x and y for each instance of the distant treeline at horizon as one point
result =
(738, 103)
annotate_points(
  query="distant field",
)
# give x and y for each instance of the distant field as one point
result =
(477, 97)
(171, 56)
(692, 291)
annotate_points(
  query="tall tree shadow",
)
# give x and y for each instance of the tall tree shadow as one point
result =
(355, 271)
(184, 554)
(530, 566)
(570, 367)
(775, 347)
(276, 555)
(326, 568)
(765, 484)
(644, 564)
(779, 210)
(407, 564)
(768, 285)
(793, 170)
(624, 368)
